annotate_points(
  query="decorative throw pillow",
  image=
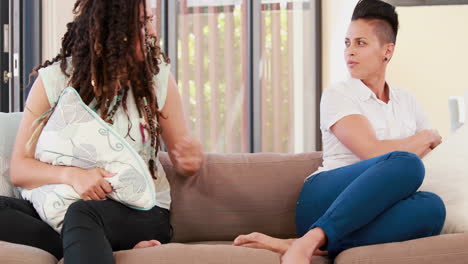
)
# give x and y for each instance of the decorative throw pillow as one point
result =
(447, 176)
(76, 136)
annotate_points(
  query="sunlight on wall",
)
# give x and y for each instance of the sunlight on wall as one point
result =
(431, 58)
(55, 15)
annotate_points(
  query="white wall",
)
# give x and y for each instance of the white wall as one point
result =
(336, 18)
(431, 58)
(55, 14)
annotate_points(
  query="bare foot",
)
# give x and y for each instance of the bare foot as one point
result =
(302, 250)
(147, 244)
(262, 241)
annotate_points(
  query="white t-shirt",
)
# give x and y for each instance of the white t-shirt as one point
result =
(55, 81)
(401, 117)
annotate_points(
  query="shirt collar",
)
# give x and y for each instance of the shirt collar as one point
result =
(364, 93)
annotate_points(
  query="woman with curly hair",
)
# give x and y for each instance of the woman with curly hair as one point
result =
(110, 56)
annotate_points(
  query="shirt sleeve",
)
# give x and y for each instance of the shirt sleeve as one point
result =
(161, 80)
(336, 105)
(54, 82)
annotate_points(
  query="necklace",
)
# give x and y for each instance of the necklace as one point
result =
(148, 151)
(110, 115)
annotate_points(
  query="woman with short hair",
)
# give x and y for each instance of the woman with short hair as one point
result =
(373, 136)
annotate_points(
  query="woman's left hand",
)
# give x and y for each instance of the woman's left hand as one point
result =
(187, 156)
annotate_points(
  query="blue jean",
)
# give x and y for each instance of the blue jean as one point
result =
(370, 202)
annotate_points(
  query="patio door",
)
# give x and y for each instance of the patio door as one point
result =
(5, 72)
(20, 50)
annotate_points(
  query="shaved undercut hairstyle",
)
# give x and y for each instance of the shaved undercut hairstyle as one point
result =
(381, 15)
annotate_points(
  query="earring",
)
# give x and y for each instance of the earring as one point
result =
(386, 59)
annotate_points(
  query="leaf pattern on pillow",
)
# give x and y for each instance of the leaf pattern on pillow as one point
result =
(114, 146)
(52, 193)
(133, 185)
(68, 143)
(68, 111)
(84, 156)
(38, 196)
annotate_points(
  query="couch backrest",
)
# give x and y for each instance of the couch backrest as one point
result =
(237, 194)
(9, 124)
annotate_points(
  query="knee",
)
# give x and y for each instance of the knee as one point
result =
(78, 213)
(78, 208)
(410, 168)
(438, 212)
(433, 209)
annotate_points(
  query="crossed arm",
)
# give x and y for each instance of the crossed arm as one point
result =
(357, 134)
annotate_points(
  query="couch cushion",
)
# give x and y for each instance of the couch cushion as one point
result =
(201, 252)
(430, 250)
(446, 175)
(175, 253)
(19, 254)
(238, 193)
(8, 128)
(212, 252)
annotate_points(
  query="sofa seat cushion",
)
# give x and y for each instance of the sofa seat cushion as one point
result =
(315, 259)
(175, 253)
(451, 248)
(20, 254)
(213, 252)
(210, 252)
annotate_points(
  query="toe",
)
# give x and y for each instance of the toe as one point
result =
(242, 239)
(155, 242)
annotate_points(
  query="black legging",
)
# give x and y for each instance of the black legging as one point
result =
(92, 230)
(19, 223)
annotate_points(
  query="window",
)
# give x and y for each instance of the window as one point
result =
(247, 72)
(287, 63)
(157, 8)
(212, 75)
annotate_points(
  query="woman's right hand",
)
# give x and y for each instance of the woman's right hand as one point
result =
(90, 184)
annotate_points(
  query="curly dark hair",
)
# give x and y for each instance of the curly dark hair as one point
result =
(101, 42)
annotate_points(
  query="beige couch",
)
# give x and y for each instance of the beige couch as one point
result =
(236, 194)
